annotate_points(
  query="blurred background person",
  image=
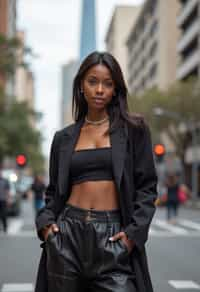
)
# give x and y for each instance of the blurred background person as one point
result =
(172, 199)
(38, 187)
(4, 200)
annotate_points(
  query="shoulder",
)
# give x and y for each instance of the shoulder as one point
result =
(139, 128)
(62, 132)
(65, 130)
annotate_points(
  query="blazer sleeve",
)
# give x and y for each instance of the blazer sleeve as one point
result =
(47, 215)
(145, 181)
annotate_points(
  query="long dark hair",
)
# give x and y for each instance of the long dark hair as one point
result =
(118, 107)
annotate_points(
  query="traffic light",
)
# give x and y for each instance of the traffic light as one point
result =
(21, 160)
(159, 151)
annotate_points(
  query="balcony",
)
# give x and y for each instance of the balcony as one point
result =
(188, 36)
(186, 11)
(190, 64)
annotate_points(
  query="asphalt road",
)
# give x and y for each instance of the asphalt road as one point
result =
(173, 253)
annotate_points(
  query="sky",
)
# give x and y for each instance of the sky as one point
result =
(52, 29)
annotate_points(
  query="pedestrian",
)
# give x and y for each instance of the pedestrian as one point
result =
(38, 187)
(172, 201)
(102, 190)
(4, 200)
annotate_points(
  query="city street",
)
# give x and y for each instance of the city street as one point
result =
(173, 253)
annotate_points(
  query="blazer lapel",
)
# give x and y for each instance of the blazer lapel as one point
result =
(69, 139)
(118, 143)
(68, 143)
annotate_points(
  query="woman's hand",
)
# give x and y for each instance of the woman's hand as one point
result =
(49, 229)
(122, 235)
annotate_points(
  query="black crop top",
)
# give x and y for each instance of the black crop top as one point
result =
(91, 164)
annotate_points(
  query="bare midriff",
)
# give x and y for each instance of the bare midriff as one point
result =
(99, 194)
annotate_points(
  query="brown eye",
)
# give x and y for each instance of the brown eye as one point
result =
(92, 81)
(109, 84)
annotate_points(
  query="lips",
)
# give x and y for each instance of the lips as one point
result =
(98, 100)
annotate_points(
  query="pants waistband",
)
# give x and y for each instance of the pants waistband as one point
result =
(91, 214)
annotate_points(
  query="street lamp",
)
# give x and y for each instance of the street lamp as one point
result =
(158, 111)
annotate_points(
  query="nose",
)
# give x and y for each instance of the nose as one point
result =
(100, 88)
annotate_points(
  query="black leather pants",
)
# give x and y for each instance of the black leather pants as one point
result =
(80, 256)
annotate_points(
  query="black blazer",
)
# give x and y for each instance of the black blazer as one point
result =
(135, 179)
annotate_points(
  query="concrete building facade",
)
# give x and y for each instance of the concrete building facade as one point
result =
(8, 14)
(188, 47)
(152, 54)
(122, 20)
(24, 80)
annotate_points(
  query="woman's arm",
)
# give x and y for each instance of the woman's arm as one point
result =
(145, 181)
(47, 215)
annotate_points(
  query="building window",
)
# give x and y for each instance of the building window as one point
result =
(152, 50)
(153, 28)
(152, 71)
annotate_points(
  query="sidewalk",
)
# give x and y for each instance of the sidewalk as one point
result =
(193, 204)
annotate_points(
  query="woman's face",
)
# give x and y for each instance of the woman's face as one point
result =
(98, 87)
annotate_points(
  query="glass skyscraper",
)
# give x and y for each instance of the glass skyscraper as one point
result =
(88, 28)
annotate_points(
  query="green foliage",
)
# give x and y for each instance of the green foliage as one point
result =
(182, 99)
(8, 60)
(18, 136)
(8, 54)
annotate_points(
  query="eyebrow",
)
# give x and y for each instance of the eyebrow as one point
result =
(93, 76)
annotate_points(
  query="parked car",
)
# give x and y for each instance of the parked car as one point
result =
(15, 197)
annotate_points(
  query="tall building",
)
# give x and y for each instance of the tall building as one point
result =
(67, 74)
(188, 20)
(87, 45)
(8, 29)
(152, 54)
(8, 17)
(24, 80)
(121, 23)
(88, 28)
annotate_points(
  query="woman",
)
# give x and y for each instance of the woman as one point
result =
(102, 189)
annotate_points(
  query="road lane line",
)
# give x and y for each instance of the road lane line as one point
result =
(184, 284)
(15, 226)
(17, 287)
(171, 228)
(190, 224)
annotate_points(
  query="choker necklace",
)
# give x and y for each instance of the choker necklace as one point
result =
(96, 122)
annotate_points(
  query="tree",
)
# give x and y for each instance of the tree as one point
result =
(17, 134)
(183, 99)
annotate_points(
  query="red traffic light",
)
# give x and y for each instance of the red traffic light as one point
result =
(21, 160)
(159, 149)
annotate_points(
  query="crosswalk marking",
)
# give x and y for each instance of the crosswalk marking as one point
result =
(14, 226)
(190, 224)
(29, 287)
(171, 228)
(158, 228)
(184, 284)
(17, 287)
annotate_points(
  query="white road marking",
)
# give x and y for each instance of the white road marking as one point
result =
(17, 287)
(15, 226)
(159, 228)
(190, 224)
(171, 228)
(184, 284)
